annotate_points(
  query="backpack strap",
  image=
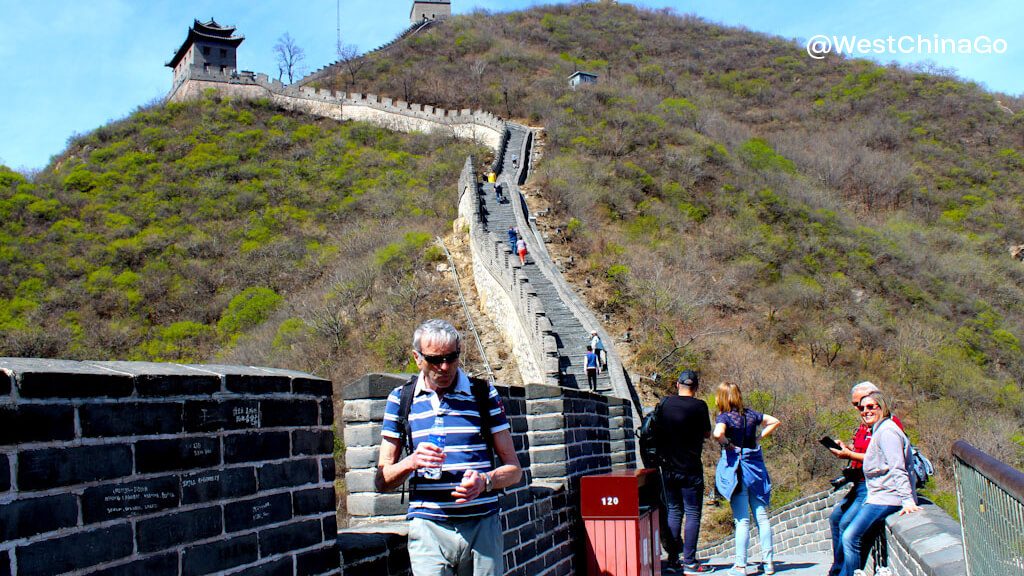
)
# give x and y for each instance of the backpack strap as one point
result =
(481, 390)
(404, 428)
(404, 405)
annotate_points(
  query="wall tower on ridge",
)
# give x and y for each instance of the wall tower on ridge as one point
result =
(429, 10)
(209, 49)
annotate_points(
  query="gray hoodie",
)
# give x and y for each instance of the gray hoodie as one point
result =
(886, 466)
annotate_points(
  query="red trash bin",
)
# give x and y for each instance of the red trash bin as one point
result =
(622, 524)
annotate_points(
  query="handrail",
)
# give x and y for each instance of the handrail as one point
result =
(465, 308)
(1002, 474)
(990, 500)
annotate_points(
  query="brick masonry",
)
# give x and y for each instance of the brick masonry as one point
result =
(560, 436)
(164, 469)
(927, 543)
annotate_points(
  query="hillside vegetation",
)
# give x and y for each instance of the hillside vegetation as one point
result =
(232, 231)
(792, 225)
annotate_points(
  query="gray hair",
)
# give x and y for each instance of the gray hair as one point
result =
(436, 330)
(865, 387)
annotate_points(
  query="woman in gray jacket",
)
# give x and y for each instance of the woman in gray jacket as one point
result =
(888, 477)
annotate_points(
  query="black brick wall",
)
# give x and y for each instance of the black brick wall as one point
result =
(143, 469)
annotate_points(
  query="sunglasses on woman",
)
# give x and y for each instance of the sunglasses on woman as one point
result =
(864, 407)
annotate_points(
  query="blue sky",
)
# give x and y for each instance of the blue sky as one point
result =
(72, 66)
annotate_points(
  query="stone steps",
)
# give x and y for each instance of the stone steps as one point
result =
(571, 336)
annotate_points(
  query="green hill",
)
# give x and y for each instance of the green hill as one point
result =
(174, 233)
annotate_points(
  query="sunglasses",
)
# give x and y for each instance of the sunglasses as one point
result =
(868, 407)
(442, 358)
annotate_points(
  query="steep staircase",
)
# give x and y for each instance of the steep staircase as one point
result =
(572, 337)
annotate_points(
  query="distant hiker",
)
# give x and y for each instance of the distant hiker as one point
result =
(454, 525)
(521, 249)
(515, 162)
(497, 192)
(513, 236)
(591, 368)
(741, 475)
(683, 425)
(595, 341)
(491, 176)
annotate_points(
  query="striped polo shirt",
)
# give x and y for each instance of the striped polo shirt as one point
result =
(465, 448)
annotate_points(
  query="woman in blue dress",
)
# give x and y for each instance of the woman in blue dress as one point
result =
(741, 475)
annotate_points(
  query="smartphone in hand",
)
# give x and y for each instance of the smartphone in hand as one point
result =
(829, 443)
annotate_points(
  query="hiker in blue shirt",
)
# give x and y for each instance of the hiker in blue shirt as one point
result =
(591, 367)
(453, 505)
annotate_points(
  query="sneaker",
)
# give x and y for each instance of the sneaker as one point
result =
(769, 568)
(697, 569)
(672, 566)
(737, 571)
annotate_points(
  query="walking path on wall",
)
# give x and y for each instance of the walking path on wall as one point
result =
(572, 336)
(811, 564)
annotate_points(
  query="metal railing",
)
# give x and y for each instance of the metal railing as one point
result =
(990, 498)
(469, 317)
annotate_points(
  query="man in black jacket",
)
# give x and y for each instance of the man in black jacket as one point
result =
(683, 426)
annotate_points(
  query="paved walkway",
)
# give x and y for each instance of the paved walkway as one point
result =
(571, 336)
(785, 565)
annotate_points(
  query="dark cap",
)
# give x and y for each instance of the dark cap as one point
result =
(688, 377)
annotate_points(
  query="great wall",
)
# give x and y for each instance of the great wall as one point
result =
(121, 468)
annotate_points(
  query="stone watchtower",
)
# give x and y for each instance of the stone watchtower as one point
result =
(429, 10)
(209, 50)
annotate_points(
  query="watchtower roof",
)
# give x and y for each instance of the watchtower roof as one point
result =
(209, 31)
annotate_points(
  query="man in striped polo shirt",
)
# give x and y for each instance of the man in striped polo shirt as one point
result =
(453, 516)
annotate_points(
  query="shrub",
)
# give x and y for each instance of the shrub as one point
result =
(759, 155)
(246, 310)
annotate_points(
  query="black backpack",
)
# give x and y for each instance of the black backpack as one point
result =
(647, 438)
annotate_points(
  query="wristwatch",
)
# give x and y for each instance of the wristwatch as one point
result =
(487, 482)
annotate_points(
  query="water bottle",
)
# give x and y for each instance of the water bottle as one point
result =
(437, 439)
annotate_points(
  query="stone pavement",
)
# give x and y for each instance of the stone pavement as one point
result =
(572, 337)
(815, 564)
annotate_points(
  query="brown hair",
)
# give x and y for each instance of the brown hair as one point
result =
(728, 397)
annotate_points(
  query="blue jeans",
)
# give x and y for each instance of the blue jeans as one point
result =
(842, 515)
(741, 503)
(683, 495)
(860, 534)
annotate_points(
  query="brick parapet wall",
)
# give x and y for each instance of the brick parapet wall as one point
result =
(476, 125)
(926, 543)
(559, 434)
(800, 527)
(131, 468)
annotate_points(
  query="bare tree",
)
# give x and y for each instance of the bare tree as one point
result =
(289, 55)
(349, 56)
